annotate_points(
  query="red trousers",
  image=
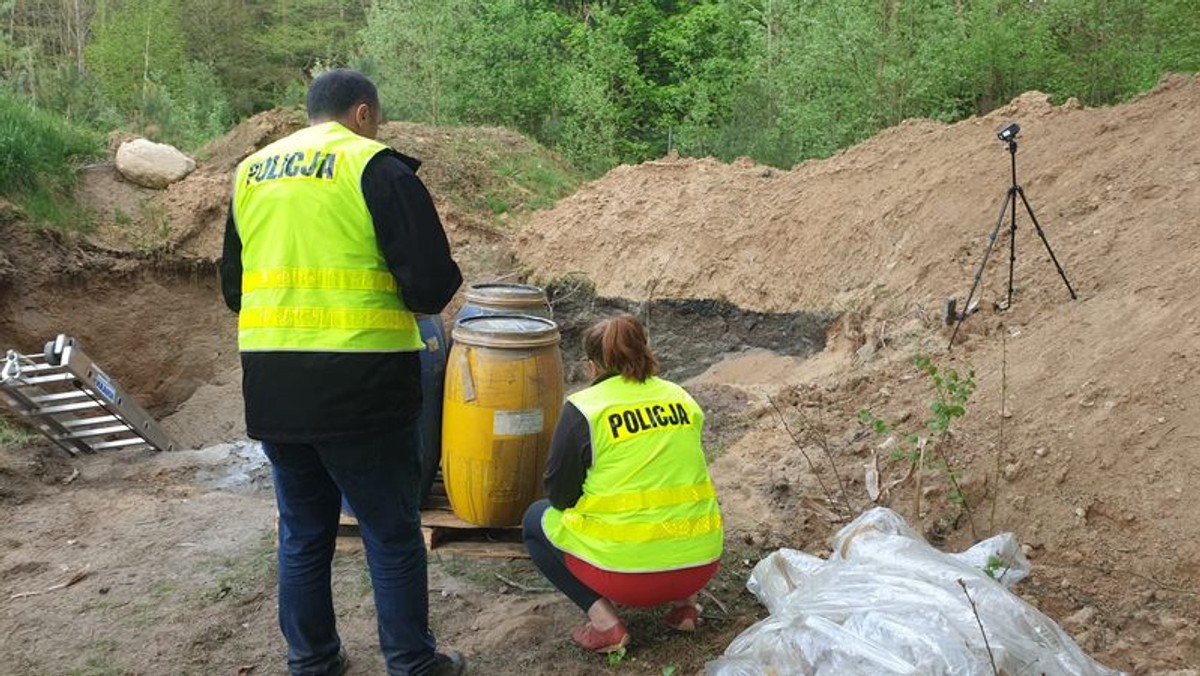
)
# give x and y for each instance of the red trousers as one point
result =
(643, 589)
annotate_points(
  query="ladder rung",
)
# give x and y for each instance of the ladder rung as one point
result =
(35, 368)
(76, 404)
(38, 380)
(95, 432)
(83, 422)
(119, 443)
(62, 396)
(65, 408)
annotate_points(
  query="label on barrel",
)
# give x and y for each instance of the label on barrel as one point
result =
(518, 423)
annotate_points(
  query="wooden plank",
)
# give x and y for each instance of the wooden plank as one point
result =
(445, 533)
(459, 538)
(484, 550)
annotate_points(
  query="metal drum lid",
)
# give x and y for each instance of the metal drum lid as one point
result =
(499, 293)
(512, 330)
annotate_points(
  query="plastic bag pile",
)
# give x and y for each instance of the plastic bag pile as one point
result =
(886, 602)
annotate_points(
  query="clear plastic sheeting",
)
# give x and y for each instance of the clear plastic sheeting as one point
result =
(886, 602)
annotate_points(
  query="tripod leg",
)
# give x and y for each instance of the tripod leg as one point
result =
(1008, 198)
(1037, 226)
(1012, 247)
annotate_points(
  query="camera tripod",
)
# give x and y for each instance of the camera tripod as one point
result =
(1009, 136)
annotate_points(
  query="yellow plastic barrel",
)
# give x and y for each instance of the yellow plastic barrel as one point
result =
(503, 392)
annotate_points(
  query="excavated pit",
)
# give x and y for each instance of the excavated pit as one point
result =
(167, 337)
(164, 333)
(161, 333)
(687, 335)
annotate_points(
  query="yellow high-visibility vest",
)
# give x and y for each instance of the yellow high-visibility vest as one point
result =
(313, 277)
(648, 503)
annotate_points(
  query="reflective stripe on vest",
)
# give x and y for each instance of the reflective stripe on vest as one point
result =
(316, 278)
(648, 503)
(313, 277)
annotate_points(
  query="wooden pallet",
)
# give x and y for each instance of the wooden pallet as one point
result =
(445, 533)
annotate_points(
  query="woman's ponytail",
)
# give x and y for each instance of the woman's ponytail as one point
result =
(619, 345)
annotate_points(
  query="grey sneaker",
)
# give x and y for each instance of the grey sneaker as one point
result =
(449, 663)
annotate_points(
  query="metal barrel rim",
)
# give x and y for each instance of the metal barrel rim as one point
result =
(505, 294)
(506, 331)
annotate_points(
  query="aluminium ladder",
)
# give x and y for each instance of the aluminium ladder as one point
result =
(68, 398)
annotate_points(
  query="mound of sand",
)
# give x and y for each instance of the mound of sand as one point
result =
(905, 213)
(460, 166)
(1096, 443)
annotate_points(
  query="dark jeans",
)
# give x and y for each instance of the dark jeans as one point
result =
(549, 559)
(379, 475)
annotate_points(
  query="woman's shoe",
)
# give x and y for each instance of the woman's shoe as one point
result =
(683, 618)
(601, 641)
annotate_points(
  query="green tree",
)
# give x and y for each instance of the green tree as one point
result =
(218, 34)
(292, 38)
(138, 47)
(411, 44)
(707, 59)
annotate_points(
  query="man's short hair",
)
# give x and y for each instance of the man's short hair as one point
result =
(336, 91)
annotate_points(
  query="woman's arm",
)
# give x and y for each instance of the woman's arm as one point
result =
(570, 458)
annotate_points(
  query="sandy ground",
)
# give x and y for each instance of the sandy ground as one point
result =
(1078, 439)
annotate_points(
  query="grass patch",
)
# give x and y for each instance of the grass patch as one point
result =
(54, 207)
(498, 175)
(38, 155)
(11, 435)
(483, 573)
(351, 573)
(541, 181)
(99, 660)
(241, 577)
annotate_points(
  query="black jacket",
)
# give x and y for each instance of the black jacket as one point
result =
(570, 455)
(301, 397)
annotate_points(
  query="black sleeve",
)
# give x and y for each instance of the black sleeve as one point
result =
(231, 265)
(410, 234)
(570, 458)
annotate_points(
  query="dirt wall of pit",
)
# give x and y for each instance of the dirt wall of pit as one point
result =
(160, 328)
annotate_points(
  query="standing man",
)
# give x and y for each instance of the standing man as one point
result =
(331, 245)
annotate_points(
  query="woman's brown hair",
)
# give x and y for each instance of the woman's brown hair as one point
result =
(619, 345)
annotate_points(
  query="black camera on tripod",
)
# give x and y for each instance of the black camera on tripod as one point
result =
(950, 311)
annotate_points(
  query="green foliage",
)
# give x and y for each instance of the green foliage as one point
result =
(602, 82)
(290, 39)
(541, 181)
(615, 657)
(993, 566)
(139, 62)
(11, 435)
(409, 43)
(217, 35)
(190, 115)
(779, 81)
(922, 444)
(952, 391)
(138, 46)
(38, 154)
(510, 177)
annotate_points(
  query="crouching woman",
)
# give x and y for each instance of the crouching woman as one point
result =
(632, 517)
